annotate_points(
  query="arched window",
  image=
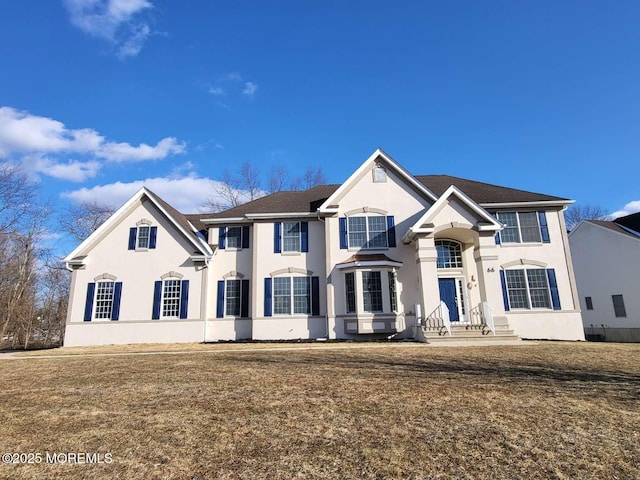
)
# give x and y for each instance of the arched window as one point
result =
(449, 254)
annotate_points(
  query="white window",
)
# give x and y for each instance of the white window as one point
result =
(291, 237)
(234, 237)
(449, 254)
(171, 298)
(143, 236)
(528, 288)
(393, 296)
(233, 297)
(520, 227)
(350, 290)
(370, 291)
(104, 300)
(367, 232)
(292, 295)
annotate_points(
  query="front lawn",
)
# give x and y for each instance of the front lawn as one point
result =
(551, 410)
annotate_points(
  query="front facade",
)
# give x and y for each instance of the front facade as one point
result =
(386, 254)
(606, 255)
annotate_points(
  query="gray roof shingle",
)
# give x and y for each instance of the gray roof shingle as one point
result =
(483, 192)
(612, 226)
(630, 221)
(306, 201)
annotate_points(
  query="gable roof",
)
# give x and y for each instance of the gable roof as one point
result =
(630, 221)
(609, 225)
(377, 157)
(485, 222)
(485, 193)
(180, 221)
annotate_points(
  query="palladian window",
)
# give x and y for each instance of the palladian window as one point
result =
(449, 254)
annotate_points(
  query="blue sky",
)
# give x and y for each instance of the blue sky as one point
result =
(98, 97)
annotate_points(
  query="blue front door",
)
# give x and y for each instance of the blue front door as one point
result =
(448, 296)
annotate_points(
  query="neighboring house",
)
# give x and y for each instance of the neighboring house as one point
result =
(606, 259)
(384, 254)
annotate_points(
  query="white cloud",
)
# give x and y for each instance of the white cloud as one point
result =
(628, 209)
(131, 46)
(123, 152)
(231, 83)
(186, 194)
(73, 171)
(34, 139)
(112, 20)
(250, 89)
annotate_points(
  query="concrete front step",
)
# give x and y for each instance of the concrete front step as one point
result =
(471, 338)
(460, 334)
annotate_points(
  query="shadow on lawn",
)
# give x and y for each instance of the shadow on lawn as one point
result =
(614, 385)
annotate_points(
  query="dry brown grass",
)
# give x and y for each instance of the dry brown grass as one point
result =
(553, 410)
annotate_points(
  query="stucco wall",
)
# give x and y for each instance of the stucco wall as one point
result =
(606, 264)
(396, 198)
(564, 324)
(137, 270)
(116, 333)
(257, 263)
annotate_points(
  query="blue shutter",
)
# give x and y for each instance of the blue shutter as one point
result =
(304, 236)
(222, 236)
(184, 298)
(315, 296)
(220, 302)
(133, 231)
(117, 295)
(244, 299)
(391, 231)
(505, 294)
(267, 297)
(88, 306)
(245, 236)
(277, 247)
(343, 233)
(157, 296)
(544, 228)
(153, 235)
(553, 286)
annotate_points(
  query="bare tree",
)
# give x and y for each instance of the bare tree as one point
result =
(53, 297)
(16, 196)
(82, 219)
(312, 177)
(235, 189)
(278, 179)
(24, 294)
(577, 213)
(17, 292)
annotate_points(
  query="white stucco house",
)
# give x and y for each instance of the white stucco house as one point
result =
(606, 259)
(384, 254)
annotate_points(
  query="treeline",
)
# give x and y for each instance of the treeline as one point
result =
(34, 287)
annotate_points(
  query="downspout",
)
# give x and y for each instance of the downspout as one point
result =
(205, 295)
(326, 317)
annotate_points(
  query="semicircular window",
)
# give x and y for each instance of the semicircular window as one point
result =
(449, 254)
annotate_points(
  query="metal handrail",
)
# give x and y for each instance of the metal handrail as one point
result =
(438, 319)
